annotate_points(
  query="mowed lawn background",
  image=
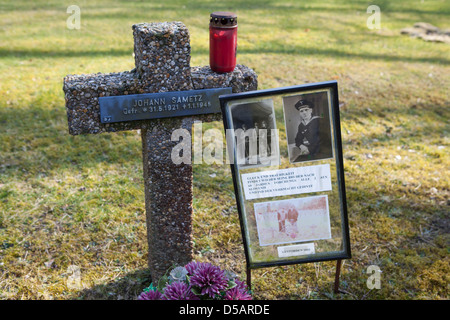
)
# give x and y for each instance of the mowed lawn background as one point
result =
(72, 216)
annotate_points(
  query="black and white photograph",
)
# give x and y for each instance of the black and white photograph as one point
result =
(307, 118)
(255, 134)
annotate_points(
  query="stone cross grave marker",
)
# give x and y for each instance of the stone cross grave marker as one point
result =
(162, 60)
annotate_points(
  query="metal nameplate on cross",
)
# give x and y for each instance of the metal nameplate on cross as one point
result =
(162, 60)
(160, 105)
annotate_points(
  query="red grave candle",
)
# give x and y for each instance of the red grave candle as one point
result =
(222, 41)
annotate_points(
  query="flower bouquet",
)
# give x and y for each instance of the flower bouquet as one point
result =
(197, 281)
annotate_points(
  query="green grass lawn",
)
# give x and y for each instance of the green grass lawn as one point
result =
(79, 201)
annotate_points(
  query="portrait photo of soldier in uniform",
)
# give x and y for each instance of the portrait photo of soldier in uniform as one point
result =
(308, 130)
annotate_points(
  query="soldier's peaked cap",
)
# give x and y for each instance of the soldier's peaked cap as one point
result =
(303, 104)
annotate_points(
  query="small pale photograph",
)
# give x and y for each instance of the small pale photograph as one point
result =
(293, 220)
(308, 128)
(255, 134)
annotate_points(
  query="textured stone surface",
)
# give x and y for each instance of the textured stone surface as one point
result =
(82, 93)
(427, 32)
(168, 197)
(240, 80)
(162, 57)
(162, 54)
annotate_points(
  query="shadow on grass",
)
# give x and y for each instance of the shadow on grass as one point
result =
(272, 6)
(269, 47)
(278, 47)
(125, 288)
(37, 140)
(64, 53)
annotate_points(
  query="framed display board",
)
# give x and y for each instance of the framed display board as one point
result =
(286, 160)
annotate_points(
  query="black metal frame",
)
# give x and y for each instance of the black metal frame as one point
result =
(333, 86)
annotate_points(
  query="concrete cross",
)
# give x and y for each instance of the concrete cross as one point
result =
(162, 59)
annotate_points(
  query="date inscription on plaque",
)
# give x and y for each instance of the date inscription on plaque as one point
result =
(160, 105)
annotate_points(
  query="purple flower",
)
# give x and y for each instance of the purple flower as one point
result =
(241, 285)
(192, 266)
(179, 291)
(150, 295)
(237, 294)
(208, 278)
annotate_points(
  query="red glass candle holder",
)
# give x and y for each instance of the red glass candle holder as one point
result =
(222, 41)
